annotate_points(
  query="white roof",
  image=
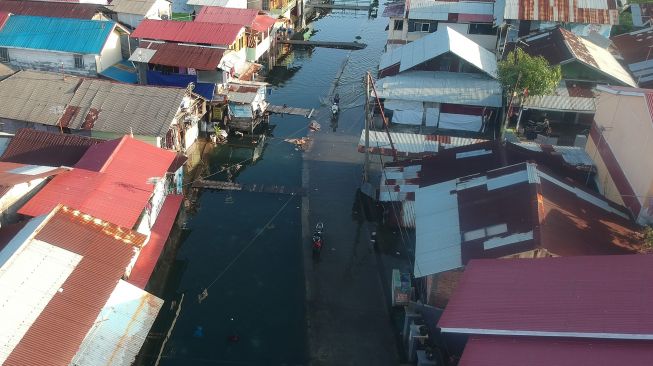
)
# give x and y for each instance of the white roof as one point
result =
(441, 87)
(142, 55)
(412, 143)
(29, 278)
(436, 44)
(573, 155)
(120, 329)
(437, 229)
(238, 4)
(440, 10)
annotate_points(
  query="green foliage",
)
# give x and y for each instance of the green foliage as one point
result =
(537, 75)
(648, 238)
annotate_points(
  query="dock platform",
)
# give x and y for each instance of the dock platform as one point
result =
(326, 44)
(279, 109)
(263, 188)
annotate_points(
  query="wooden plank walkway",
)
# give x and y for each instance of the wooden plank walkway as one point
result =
(339, 6)
(262, 188)
(279, 109)
(327, 44)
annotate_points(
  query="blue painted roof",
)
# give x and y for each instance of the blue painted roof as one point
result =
(122, 71)
(55, 34)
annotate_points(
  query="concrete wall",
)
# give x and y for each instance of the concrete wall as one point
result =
(51, 61)
(254, 54)
(150, 214)
(191, 134)
(396, 36)
(111, 53)
(624, 126)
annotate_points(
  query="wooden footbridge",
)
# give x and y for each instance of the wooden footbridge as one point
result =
(326, 44)
(279, 109)
(263, 188)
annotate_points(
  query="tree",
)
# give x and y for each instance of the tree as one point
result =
(534, 73)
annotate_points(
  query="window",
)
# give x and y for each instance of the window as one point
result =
(4, 55)
(79, 61)
(399, 25)
(424, 27)
(482, 29)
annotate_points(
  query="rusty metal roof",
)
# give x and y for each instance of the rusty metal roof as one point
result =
(36, 147)
(560, 46)
(197, 57)
(589, 297)
(103, 105)
(97, 255)
(635, 48)
(222, 15)
(564, 11)
(189, 32)
(51, 9)
(458, 220)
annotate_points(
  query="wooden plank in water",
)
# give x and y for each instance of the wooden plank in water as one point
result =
(289, 110)
(328, 44)
(340, 6)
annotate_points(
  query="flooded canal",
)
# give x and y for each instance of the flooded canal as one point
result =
(245, 248)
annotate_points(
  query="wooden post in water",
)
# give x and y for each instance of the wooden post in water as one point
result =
(367, 128)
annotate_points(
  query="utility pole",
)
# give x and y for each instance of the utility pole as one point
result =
(367, 128)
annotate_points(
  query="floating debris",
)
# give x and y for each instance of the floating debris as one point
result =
(314, 126)
(301, 143)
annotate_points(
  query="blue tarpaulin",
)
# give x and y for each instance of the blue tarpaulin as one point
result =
(123, 71)
(241, 110)
(181, 80)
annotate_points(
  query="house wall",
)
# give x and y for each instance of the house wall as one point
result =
(254, 54)
(51, 61)
(16, 197)
(410, 34)
(159, 10)
(12, 126)
(152, 212)
(111, 52)
(621, 141)
(191, 134)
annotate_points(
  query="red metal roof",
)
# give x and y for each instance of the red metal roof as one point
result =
(31, 146)
(190, 32)
(111, 182)
(263, 23)
(588, 296)
(49, 9)
(149, 255)
(197, 57)
(546, 351)
(222, 15)
(54, 338)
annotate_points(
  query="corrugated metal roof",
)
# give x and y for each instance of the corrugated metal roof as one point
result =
(149, 255)
(50, 9)
(120, 329)
(634, 47)
(564, 11)
(441, 87)
(30, 146)
(561, 46)
(531, 218)
(222, 15)
(142, 54)
(56, 34)
(12, 174)
(547, 351)
(197, 57)
(138, 7)
(561, 103)
(37, 97)
(263, 23)
(394, 10)
(244, 93)
(124, 108)
(438, 43)
(223, 3)
(191, 32)
(406, 144)
(589, 297)
(61, 322)
(440, 10)
(117, 188)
